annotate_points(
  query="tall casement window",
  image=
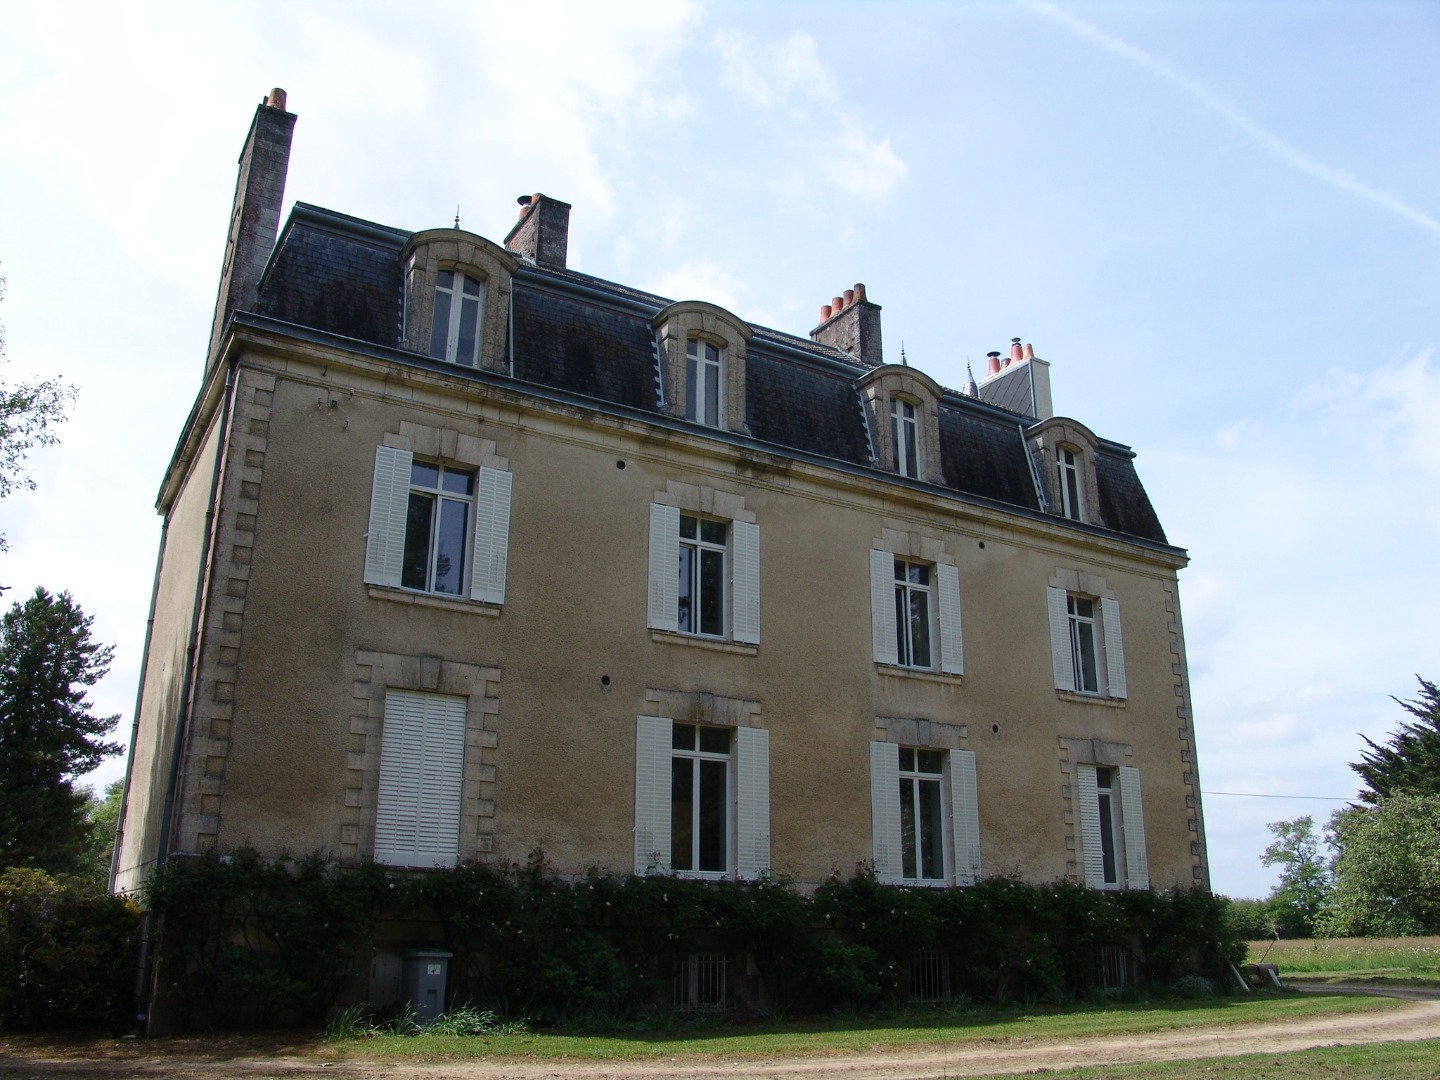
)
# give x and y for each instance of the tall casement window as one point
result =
(704, 575)
(702, 799)
(925, 815)
(1069, 468)
(422, 759)
(438, 528)
(1112, 829)
(459, 306)
(1086, 647)
(913, 604)
(702, 382)
(905, 437)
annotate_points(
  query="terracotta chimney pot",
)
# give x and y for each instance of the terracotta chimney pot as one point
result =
(994, 368)
(859, 292)
(1016, 353)
(276, 99)
(825, 312)
(838, 303)
(849, 297)
(1029, 353)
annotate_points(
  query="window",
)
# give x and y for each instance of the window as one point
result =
(929, 976)
(1086, 649)
(438, 528)
(455, 328)
(909, 602)
(704, 575)
(702, 799)
(924, 814)
(1069, 468)
(702, 382)
(1112, 830)
(700, 983)
(422, 757)
(905, 437)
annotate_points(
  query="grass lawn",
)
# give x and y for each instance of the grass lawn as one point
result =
(1393, 1061)
(1412, 959)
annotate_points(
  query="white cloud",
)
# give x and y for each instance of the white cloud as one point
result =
(774, 73)
(864, 167)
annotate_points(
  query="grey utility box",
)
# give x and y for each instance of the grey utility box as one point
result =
(423, 981)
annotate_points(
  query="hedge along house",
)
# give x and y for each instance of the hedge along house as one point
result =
(467, 555)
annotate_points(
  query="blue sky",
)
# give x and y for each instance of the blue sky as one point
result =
(1217, 221)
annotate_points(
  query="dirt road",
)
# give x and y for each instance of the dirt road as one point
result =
(1418, 1019)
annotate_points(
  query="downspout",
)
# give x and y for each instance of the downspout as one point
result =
(510, 315)
(192, 658)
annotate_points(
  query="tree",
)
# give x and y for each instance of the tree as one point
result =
(1387, 868)
(1409, 762)
(1304, 880)
(102, 814)
(48, 733)
(29, 412)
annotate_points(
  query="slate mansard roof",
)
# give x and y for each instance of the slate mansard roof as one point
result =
(584, 336)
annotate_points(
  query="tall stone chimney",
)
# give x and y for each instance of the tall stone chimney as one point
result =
(851, 323)
(255, 217)
(542, 235)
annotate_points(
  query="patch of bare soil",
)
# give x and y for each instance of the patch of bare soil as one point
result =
(262, 1059)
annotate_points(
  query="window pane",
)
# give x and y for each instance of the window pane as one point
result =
(682, 813)
(1107, 839)
(1085, 674)
(902, 627)
(929, 761)
(712, 591)
(712, 814)
(688, 527)
(450, 558)
(692, 388)
(712, 395)
(422, 475)
(715, 740)
(907, 827)
(469, 331)
(440, 326)
(458, 482)
(415, 569)
(907, 759)
(918, 574)
(932, 830)
(920, 628)
(683, 737)
(712, 532)
(685, 612)
(445, 279)
(470, 286)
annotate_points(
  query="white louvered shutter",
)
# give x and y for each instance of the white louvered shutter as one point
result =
(653, 735)
(422, 762)
(965, 816)
(1060, 658)
(952, 648)
(745, 589)
(492, 537)
(1137, 863)
(664, 603)
(1114, 648)
(885, 837)
(882, 608)
(752, 802)
(389, 502)
(1087, 796)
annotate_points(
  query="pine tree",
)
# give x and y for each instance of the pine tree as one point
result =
(1409, 762)
(48, 733)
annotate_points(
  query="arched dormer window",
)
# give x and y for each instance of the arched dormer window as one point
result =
(1072, 503)
(902, 407)
(1063, 451)
(702, 364)
(457, 296)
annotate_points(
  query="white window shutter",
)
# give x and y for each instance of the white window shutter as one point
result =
(1114, 649)
(882, 609)
(1088, 798)
(752, 802)
(885, 838)
(1137, 863)
(745, 588)
(389, 502)
(664, 605)
(422, 763)
(492, 537)
(952, 648)
(1060, 658)
(653, 735)
(965, 816)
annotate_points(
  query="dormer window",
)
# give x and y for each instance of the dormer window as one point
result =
(905, 437)
(455, 325)
(1071, 505)
(702, 382)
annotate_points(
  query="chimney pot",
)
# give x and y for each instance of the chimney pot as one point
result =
(1016, 353)
(994, 366)
(859, 292)
(1029, 353)
(276, 99)
(849, 297)
(825, 312)
(838, 304)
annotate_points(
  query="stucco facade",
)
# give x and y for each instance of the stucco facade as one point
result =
(322, 676)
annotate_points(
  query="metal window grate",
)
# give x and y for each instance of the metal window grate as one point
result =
(700, 983)
(929, 976)
(1112, 968)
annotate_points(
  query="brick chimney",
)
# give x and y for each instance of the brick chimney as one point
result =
(255, 217)
(542, 234)
(851, 323)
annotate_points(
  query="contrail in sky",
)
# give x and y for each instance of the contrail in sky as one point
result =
(1284, 151)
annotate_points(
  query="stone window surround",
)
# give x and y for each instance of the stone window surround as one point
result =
(709, 502)
(919, 547)
(424, 255)
(375, 674)
(1046, 439)
(1075, 752)
(674, 326)
(1084, 583)
(877, 389)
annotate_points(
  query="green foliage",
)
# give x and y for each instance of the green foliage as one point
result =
(101, 817)
(1409, 762)
(1387, 868)
(66, 952)
(48, 733)
(1296, 902)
